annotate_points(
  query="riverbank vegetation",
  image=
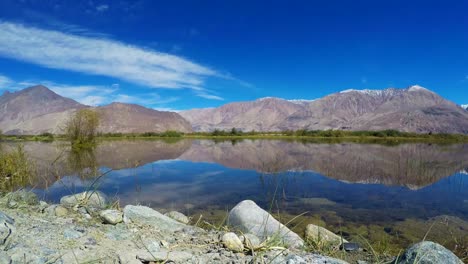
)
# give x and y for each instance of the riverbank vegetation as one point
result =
(82, 130)
(16, 169)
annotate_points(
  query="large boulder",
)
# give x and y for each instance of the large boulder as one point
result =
(428, 252)
(92, 199)
(143, 215)
(248, 217)
(7, 230)
(314, 233)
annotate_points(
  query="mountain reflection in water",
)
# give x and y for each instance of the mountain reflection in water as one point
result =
(387, 190)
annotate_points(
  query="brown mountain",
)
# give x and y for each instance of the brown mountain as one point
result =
(131, 118)
(262, 115)
(34, 110)
(37, 110)
(414, 109)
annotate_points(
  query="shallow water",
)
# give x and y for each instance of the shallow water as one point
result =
(382, 193)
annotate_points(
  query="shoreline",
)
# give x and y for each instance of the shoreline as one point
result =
(89, 228)
(305, 139)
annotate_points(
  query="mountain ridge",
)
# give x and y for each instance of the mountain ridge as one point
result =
(37, 109)
(412, 109)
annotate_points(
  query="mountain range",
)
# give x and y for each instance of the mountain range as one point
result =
(37, 110)
(414, 109)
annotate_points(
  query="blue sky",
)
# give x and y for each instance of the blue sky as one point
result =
(177, 55)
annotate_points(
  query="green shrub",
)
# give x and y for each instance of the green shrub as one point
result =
(16, 170)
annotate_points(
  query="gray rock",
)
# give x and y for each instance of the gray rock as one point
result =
(56, 210)
(72, 234)
(180, 217)
(93, 199)
(112, 217)
(166, 256)
(60, 211)
(319, 234)
(42, 206)
(306, 259)
(118, 232)
(21, 197)
(151, 246)
(428, 253)
(319, 259)
(4, 258)
(232, 242)
(248, 217)
(250, 241)
(350, 246)
(7, 230)
(143, 215)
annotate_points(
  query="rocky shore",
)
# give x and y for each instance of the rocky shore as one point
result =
(88, 228)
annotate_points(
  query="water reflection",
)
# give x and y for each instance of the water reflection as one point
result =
(370, 189)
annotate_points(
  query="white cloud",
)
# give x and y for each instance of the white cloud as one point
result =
(93, 95)
(102, 8)
(205, 95)
(100, 56)
(5, 82)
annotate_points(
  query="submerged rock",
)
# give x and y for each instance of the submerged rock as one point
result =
(232, 242)
(143, 215)
(112, 217)
(248, 217)
(427, 252)
(319, 234)
(94, 199)
(180, 217)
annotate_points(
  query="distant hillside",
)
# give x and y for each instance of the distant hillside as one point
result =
(34, 110)
(37, 110)
(414, 109)
(131, 118)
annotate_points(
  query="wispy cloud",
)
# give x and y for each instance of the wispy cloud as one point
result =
(100, 56)
(204, 94)
(5, 82)
(102, 8)
(93, 95)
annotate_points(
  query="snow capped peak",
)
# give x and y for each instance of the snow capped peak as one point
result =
(269, 98)
(464, 106)
(370, 92)
(300, 101)
(294, 101)
(416, 88)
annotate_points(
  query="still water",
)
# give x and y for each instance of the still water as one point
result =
(391, 195)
